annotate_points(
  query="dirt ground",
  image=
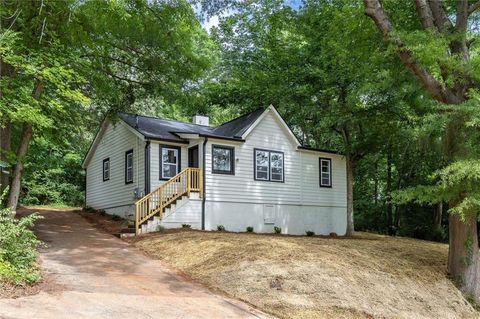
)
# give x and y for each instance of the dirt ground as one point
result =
(97, 275)
(369, 276)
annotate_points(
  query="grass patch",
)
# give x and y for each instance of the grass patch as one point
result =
(367, 276)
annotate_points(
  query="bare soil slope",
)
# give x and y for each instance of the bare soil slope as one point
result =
(369, 276)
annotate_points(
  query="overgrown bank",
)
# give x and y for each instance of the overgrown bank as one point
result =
(19, 267)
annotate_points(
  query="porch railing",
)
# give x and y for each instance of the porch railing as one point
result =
(187, 181)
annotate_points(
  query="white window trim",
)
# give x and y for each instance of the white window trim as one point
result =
(162, 163)
(128, 168)
(325, 174)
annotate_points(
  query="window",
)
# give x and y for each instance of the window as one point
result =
(169, 161)
(276, 166)
(129, 167)
(223, 159)
(325, 172)
(269, 166)
(106, 169)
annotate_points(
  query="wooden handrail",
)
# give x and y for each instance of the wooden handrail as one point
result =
(187, 181)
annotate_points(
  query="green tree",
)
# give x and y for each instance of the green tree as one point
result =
(319, 66)
(439, 47)
(62, 60)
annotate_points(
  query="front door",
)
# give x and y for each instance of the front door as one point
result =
(193, 156)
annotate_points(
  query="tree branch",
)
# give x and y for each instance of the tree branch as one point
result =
(375, 11)
(473, 7)
(425, 14)
(442, 22)
(462, 16)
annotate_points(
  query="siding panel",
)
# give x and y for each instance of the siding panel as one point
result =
(116, 140)
(301, 169)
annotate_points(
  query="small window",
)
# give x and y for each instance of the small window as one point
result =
(169, 161)
(276, 166)
(129, 167)
(106, 169)
(325, 172)
(223, 159)
(269, 165)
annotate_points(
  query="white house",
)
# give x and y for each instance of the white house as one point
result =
(251, 171)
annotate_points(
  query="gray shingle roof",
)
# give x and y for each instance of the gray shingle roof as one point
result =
(159, 129)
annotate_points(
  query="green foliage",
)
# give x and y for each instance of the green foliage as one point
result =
(186, 226)
(53, 174)
(458, 182)
(277, 230)
(310, 233)
(18, 249)
(220, 228)
(249, 229)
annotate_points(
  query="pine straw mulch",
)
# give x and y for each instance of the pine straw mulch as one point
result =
(366, 276)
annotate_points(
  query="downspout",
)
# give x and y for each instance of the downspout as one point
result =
(204, 183)
(147, 167)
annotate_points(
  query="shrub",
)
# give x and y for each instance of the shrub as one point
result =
(88, 209)
(221, 228)
(116, 217)
(18, 249)
(102, 212)
(310, 233)
(160, 229)
(186, 226)
(277, 230)
(249, 229)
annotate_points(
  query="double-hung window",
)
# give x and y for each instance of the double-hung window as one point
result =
(268, 165)
(106, 169)
(223, 159)
(325, 172)
(169, 161)
(129, 167)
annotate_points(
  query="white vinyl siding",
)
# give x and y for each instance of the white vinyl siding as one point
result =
(300, 170)
(114, 143)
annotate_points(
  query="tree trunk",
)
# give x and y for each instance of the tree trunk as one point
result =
(437, 216)
(463, 254)
(388, 190)
(375, 199)
(25, 138)
(350, 222)
(5, 146)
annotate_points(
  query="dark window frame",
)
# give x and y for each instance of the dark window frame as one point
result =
(232, 160)
(179, 160)
(269, 165)
(126, 167)
(109, 169)
(320, 177)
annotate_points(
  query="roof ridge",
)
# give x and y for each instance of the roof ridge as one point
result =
(241, 116)
(159, 118)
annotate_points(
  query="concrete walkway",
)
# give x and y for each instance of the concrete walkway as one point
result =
(100, 276)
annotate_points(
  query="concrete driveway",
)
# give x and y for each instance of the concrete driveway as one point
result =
(100, 276)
